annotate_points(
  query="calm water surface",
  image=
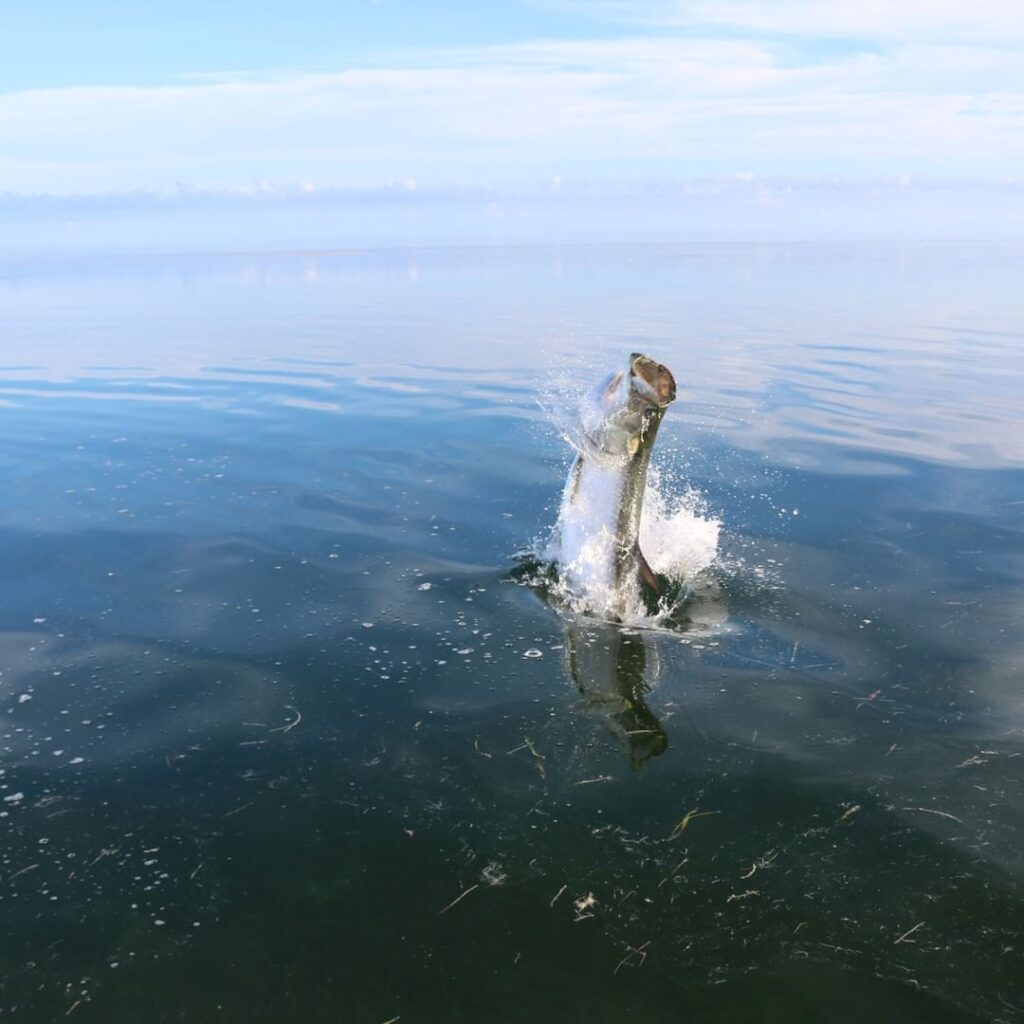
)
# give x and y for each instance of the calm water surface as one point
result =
(282, 740)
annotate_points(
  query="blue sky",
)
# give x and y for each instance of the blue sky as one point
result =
(99, 97)
(117, 42)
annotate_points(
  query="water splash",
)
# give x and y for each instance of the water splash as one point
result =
(678, 535)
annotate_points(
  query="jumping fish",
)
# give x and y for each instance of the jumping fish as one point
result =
(597, 541)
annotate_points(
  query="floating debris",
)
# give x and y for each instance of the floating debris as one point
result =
(762, 863)
(743, 895)
(459, 898)
(493, 875)
(687, 818)
(941, 814)
(920, 924)
(583, 905)
(634, 951)
(289, 725)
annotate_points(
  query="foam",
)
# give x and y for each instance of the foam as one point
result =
(678, 536)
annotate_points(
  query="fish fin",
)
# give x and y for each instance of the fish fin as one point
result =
(647, 573)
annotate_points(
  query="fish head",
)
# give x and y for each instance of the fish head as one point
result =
(626, 404)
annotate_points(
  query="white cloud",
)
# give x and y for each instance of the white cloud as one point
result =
(614, 109)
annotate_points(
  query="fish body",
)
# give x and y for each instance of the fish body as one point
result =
(598, 546)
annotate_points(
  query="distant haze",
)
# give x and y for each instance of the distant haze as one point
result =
(724, 210)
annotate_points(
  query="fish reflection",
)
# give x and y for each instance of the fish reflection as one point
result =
(610, 667)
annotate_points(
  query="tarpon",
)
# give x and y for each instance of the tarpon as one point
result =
(598, 540)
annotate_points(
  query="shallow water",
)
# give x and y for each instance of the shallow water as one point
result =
(283, 740)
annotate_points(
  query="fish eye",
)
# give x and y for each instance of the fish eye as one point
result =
(613, 385)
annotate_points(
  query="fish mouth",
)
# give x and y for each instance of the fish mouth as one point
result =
(651, 380)
(620, 413)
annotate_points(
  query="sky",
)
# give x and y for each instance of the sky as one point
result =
(111, 96)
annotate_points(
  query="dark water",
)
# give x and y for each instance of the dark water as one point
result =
(272, 748)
